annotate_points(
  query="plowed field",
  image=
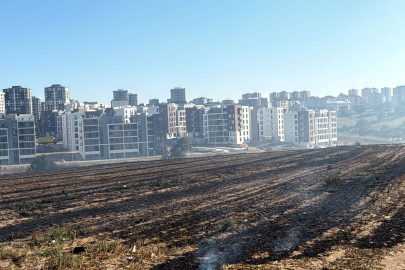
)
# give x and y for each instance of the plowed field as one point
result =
(336, 208)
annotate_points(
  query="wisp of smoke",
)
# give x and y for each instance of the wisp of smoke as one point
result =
(210, 259)
(288, 241)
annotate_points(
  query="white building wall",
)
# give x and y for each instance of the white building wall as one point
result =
(291, 127)
(271, 124)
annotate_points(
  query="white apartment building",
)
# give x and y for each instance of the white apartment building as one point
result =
(17, 139)
(291, 127)
(325, 128)
(125, 112)
(123, 140)
(119, 103)
(89, 138)
(70, 129)
(227, 125)
(271, 124)
(56, 96)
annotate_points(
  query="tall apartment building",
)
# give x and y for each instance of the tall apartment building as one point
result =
(70, 128)
(366, 94)
(17, 139)
(286, 99)
(18, 100)
(271, 124)
(386, 93)
(195, 124)
(251, 95)
(201, 101)
(144, 121)
(2, 103)
(52, 123)
(376, 98)
(291, 127)
(107, 134)
(228, 101)
(306, 129)
(36, 108)
(56, 97)
(178, 95)
(133, 99)
(122, 98)
(227, 124)
(353, 92)
(121, 94)
(325, 128)
(399, 95)
(153, 102)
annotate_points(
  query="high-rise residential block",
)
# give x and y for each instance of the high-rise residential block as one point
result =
(353, 92)
(18, 100)
(325, 128)
(121, 94)
(227, 124)
(386, 93)
(17, 139)
(201, 101)
(271, 124)
(56, 97)
(178, 95)
(133, 99)
(2, 103)
(399, 95)
(36, 108)
(154, 102)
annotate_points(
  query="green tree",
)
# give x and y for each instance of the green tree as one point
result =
(166, 153)
(364, 127)
(360, 109)
(345, 113)
(180, 149)
(42, 163)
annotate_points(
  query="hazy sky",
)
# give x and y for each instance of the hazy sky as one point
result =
(217, 49)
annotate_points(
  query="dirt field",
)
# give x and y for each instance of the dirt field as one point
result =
(336, 208)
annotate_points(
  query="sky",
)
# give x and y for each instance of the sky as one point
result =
(216, 49)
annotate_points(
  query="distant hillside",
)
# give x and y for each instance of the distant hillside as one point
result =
(378, 126)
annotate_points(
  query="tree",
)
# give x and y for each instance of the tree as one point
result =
(344, 129)
(360, 109)
(166, 153)
(180, 148)
(364, 127)
(345, 113)
(42, 163)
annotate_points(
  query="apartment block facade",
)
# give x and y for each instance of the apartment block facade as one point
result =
(17, 139)
(36, 108)
(227, 125)
(178, 95)
(271, 124)
(325, 128)
(18, 100)
(56, 97)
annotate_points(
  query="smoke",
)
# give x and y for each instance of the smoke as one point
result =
(210, 258)
(287, 242)
(218, 252)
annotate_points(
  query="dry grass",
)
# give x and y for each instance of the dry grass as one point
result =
(54, 248)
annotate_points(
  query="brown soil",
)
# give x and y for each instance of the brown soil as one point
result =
(336, 208)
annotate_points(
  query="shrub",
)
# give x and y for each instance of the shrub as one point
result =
(42, 163)
(181, 147)
(332, 181)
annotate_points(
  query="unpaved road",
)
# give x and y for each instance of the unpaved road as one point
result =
(337, 208)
